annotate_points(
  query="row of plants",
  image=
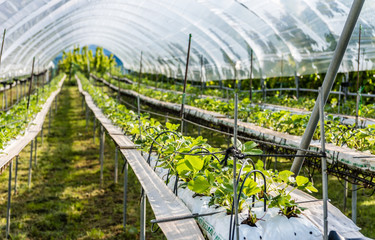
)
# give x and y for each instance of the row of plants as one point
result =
(281, 121)
(305, 102)
(204, 174)
(17, 119)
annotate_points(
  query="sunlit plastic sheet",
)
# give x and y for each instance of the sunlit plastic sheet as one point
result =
(286, 36)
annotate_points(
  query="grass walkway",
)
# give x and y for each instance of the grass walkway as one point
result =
(65, 200)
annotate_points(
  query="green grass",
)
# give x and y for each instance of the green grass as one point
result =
(65, 200)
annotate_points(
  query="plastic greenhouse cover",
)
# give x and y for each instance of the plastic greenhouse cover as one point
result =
(286, 36)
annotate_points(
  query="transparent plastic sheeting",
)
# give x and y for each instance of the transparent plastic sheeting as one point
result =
(286, 36)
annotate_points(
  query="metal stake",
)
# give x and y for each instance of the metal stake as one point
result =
(143, 216)
(235, 167)
(102, 139)
(359, 55)
(41, 135)
(125, 192)
(35, 153)
(116, 164)
(251, 76)
(15, 175)
(354, 202)
(9, 199)
(184, 90)
(49, 120)
(30, 162)
(94, 129)
(324, 166)
(346, 194)
(87, 117)
(328, 81)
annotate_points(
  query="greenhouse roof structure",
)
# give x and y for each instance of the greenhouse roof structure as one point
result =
(285, 36)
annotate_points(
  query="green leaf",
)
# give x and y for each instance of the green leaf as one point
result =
(194, 162)
(199, 184)
(182, 168)
(284, 175)
(301, 180)
(312, 188)
(251, 187)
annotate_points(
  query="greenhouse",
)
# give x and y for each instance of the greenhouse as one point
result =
(234, 119)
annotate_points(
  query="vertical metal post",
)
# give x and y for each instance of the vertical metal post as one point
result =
(201, 75)
(56, 103)
(102, 139)
(140, 73)
(354, 202)
(346, 194)
(2, 45)
(35, 153)
(3, 97)
(251, 76)
(87, 117)
(6, 100)
(143, 216)
(235, 167)
(328, 81)
(184, 90)
(49, 120)
(116, 164)
(275, 166)
(15, 175)
(296, 80)
(41, 135)
(324, 166)
(339, 103)
(263, 83)
(30, 163)
(94, 129)
(359, 55)
(125, 192)
(9, 198)
(31, 82)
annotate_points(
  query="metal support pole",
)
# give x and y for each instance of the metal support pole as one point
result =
(2, 45)
(296, 79)
(234, 167)
(354, 202)
(49, 120)
(6, 100)
(125, 193)
(31, 83)
(143, 217)
(30, 162)
(116, 164)
(324, 166)
(339, 103)
(87, 117)
(102, 139)
(359, 55)
(94, 129)
(15, 175)
(184, 90)
(9, 199)
(328, 81)
(251, 76)
(41, 135)
(346, 194)
(56, 104)
(35, 153)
